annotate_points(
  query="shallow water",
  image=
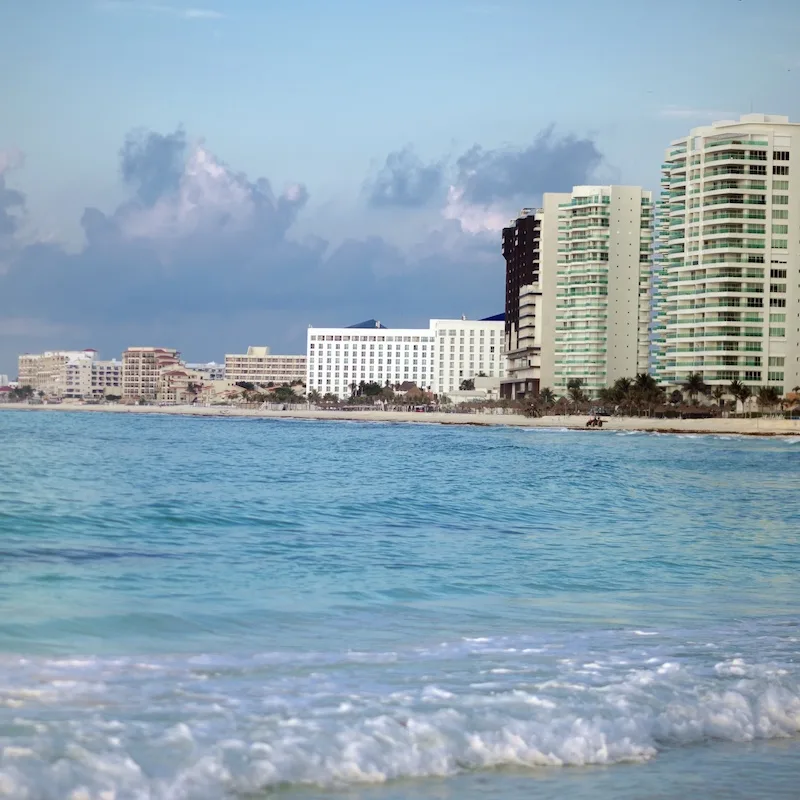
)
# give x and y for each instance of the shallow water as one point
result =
(205, 608)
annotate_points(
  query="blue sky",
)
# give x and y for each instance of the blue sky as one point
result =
(319, 94)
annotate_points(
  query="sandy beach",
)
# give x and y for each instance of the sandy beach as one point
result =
(742, 427)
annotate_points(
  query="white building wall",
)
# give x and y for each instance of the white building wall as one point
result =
(595, 275)
(728, 304)
(339, 357)
(466, 348)
(436, 358)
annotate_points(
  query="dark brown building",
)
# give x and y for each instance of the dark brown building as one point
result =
(521, 252)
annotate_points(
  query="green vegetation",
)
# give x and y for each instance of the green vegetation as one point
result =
(22, 394)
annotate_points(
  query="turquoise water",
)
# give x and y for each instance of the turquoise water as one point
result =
(213, 608)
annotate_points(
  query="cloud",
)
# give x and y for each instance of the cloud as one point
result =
(490, 184)
(152, 164)
(549, 164)
(12, 202)
(405, 181)
(683, 112)
(204, 258)
(161, 8)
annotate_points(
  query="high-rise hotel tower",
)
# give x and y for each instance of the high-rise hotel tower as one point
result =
(727, 296)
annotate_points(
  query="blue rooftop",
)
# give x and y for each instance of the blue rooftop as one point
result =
(495, 318)
(368, 323)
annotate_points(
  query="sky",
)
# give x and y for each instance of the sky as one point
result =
(213, 174)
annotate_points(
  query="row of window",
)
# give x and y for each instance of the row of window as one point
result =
(343, 338)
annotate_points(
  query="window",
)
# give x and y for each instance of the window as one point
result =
(780, 213)
(780, 229)
(777, 273)
(774, 376)
(752, 376)
(780, 186)
(779, 332)
(780, 170)
(780, 199)
(780, 244)
(779, 288)
(758, 169)
(781, 155)
(777, 302)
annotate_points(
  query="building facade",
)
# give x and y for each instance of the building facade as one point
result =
(597, 242)
(141, 370)
(522, 248)
(258, 365)
(524, 346)
(728, 300)
(92, 379)
(55, 372)
(468, 349)
(210, 371)
(437, 359)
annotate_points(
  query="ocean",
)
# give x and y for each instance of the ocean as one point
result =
(242, 608)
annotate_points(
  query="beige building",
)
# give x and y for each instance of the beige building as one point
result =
(524, 345)
(71, 374)
(259, 366)
(727, 295)
(91, 379)
(583, 263)
(141, 371)
(596, 269)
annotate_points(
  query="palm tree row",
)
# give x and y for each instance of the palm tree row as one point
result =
(642, 395)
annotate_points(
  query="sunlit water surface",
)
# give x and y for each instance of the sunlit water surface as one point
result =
(212, 608)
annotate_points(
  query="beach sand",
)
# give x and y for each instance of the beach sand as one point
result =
(743, 427)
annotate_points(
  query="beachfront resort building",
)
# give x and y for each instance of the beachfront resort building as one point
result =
(70, 374)
(210, 371)
(258, 365)
(529, 323)
(578, 274)
(728, 296)
(597, 242)
(437, 358)
(142, 368)
(468, 350)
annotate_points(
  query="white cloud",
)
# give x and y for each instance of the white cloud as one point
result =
(160, 8)
(10, 159)
(686, 112)
(474, 218)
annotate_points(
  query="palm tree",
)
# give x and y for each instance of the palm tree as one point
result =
(740, 391)
(694, 385)
(314, 396)
(575, 390)
(768, 397)
(353, 389)
(547, 397)
(718, 392)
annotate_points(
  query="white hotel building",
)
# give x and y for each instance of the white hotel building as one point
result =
(436, 358)
(728, 296)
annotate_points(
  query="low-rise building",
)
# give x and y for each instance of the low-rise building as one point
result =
(66, 373)
(3, 380)
(258, 365)
(210, 371)
(92, 379)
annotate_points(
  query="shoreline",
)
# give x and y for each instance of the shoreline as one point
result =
(735, 427)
